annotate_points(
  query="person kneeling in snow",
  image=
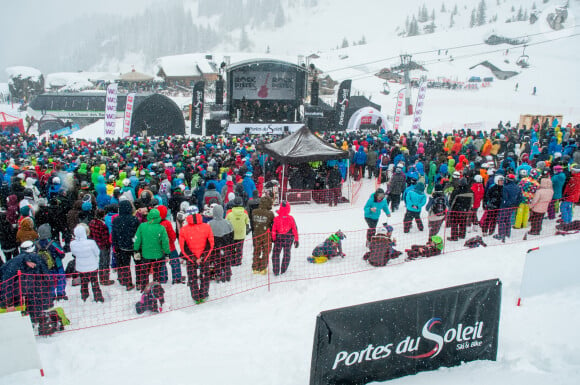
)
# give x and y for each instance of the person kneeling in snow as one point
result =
(382, 247)
(152, 299)
(433, 247)
(330, 248)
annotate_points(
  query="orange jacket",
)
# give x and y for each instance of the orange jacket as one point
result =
(196, 238)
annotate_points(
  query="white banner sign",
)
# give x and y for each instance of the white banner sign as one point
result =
(419, 106)
(128, 115)
(264, 85)
(399, 108)
(550, 268)
(254, 129)
(111, 110)
(18, 350)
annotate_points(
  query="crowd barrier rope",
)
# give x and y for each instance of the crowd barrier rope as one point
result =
(120, 305)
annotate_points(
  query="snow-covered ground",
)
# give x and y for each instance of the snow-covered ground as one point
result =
(266, 337)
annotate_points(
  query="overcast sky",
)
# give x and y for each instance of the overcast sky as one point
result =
(24, 20)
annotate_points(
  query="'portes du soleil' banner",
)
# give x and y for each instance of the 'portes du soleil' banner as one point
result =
(387, 339)
(197, 108)
(342, 101)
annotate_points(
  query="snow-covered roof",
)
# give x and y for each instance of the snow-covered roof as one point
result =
(180, 65)
(23, 72)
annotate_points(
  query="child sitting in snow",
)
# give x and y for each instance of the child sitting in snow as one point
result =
(330, 248)
(381, 247)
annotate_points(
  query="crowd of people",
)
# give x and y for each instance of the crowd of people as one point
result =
(139, 204)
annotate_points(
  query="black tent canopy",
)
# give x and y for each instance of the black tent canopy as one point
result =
(302, 146)
(158, 115)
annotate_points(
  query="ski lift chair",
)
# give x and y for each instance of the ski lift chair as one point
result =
(386, 88)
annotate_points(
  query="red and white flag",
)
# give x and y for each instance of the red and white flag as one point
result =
(399, 108)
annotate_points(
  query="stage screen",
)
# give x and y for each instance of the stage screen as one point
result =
(264, 85)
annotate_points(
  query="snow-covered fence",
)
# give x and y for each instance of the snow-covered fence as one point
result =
(407, 240)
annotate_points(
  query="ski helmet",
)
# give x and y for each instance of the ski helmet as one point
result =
(438, 241)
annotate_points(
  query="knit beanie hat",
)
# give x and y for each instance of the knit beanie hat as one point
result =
(87, 206)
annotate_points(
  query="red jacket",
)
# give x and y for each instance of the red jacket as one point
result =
(284, 222)
(196, 238)
(478, 193)
(572, 189)
(100, 233)
(168, 227)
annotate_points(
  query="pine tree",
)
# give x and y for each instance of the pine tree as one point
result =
(245, 43)
(279, 18)
(481, 8)
(344, 43)
(363, 40)
(451, 22)
(443, 8)
(534, 6)
(407, 24)
(268, 49)
(413, 28)
(472, 22)
(455, 11)
(433, 15)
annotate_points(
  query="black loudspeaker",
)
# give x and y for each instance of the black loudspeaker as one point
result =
(219, 92)
(247, 130)
(286, 129)
(212, 127)
(314, 94)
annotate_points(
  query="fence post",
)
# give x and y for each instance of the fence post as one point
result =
(20, 287)
(268, 256)
(445, 231)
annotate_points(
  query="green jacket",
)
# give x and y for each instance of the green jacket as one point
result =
(239, 220)
(83, 169)
(151, 237)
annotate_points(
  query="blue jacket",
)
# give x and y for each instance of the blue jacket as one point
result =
(382, 205)
(558, 181)
(249, 186)
(511, 195)
(415, 198)
(360, 157)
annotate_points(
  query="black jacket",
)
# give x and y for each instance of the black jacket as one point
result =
(461, 199)
(124, 227)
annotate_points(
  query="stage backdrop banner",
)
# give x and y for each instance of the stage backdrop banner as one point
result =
(263, 85)
(262, 128)
(382, 340)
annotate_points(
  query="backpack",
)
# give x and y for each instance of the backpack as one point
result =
(438, 206)
(44, 253)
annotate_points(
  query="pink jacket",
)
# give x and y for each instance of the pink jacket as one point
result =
(542, 197)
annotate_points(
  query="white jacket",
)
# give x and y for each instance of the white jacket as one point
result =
(85, 250)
